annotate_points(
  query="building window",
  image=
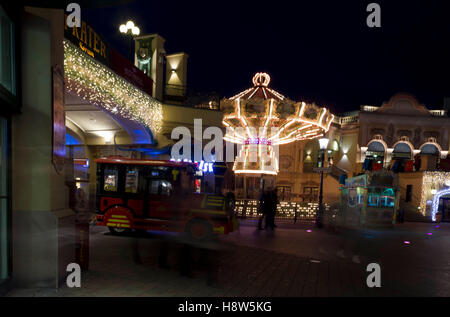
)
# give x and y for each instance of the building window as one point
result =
(408, 193)
(284, 193)
(310, 193)
(7, 53)
(239, 182)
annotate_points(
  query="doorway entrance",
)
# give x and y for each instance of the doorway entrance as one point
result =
(444, 208)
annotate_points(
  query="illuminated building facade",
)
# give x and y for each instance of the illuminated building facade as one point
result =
(401, 135)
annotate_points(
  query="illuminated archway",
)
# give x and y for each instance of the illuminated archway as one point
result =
(435, 205)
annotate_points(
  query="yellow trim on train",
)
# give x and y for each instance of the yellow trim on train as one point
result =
(118, 220)
(109, 224)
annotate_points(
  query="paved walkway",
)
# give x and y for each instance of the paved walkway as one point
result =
(300, 261)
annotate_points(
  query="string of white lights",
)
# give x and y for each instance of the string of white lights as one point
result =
(102, 87)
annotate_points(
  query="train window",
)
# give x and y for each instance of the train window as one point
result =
(160, 187)
(166, 188)
(131, 180)
(111, 177)
(159, 172)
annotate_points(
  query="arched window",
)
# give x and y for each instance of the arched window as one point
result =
(376, 151)
(429, 149)
(402, 150)
(376, 147)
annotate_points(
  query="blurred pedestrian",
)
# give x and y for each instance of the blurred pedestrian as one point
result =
(263, 208)
(271, 208)
(401, 215)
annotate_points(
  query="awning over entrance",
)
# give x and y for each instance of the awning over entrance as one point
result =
(97, 93)
(93, 120)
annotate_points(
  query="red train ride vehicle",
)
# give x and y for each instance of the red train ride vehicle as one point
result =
(158, 195)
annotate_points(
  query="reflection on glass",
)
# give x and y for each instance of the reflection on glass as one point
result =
(110, 180)
(7, 62)
(4, 247)
(352, 197)
(373, 200)
(160, 187)
(131, 181)
(387, 201)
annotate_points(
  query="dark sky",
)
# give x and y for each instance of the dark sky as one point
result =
(317, 50)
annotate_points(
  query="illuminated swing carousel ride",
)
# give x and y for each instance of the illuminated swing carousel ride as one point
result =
(260, 119)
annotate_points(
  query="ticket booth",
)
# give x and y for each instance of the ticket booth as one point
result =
(370, 199)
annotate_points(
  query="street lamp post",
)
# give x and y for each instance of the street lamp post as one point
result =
(323, 143)
(131, 30)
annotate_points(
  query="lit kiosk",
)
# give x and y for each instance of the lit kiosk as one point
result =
(259, 120)
(370, 199)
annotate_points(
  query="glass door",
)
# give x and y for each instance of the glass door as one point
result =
(444, 207)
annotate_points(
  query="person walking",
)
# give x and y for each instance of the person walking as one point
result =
(272, 208)
(401, 215)
(262, 209)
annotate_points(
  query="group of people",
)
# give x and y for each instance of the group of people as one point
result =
(268, 207)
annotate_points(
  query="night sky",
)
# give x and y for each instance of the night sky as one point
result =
(319, 51)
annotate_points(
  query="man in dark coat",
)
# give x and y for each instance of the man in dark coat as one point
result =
(272, 200)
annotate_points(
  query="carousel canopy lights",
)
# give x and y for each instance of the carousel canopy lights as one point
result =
(102, 87)
(262, 116)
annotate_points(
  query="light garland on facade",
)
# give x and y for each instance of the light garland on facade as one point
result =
(435, 204)
(433, 181)
(102, 87)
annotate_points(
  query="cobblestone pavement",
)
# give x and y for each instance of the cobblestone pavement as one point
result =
(294, 260)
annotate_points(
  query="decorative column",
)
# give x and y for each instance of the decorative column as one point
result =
(43, 225)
